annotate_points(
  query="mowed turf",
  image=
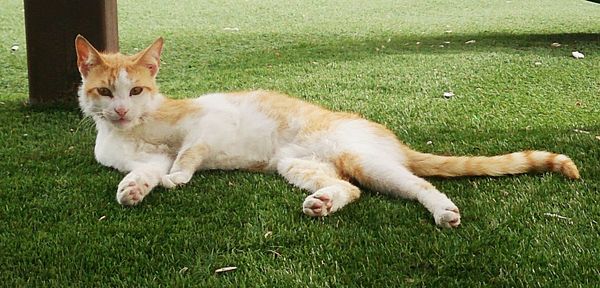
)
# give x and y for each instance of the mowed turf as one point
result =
(390, 61)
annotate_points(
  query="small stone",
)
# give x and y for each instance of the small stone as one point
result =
(577, 55)
(14, 48)
(555, 45)
(448, 95)
(537, 63)
(429, 142)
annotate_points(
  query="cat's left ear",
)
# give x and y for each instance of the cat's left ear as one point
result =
(150, 57)
(87, 55)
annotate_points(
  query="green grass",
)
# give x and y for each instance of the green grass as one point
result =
(356, 56)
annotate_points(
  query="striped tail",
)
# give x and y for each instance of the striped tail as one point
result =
(423, 164)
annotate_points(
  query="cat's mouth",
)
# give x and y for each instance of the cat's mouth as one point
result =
(121, 122)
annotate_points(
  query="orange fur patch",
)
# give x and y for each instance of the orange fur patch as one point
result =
(257, 167)
(172, 110)
(283, 109)
(191, 158)
(106, 73)
(348, 167)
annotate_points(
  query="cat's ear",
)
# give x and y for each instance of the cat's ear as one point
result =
(87, 55)
(150, 57)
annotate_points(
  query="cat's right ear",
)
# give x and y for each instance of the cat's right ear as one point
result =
(87, 55)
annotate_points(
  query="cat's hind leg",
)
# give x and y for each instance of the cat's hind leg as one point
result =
(330, 192)
(184, 166)
(385, 174)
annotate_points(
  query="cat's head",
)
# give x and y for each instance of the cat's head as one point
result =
(117, 88)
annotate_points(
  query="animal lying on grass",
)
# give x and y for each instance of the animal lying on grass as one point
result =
(161, 141)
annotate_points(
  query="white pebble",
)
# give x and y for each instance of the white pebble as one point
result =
(14, 48)
(578, 55)
(448, 95)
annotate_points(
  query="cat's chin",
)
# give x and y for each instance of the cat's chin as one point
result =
(122, 123)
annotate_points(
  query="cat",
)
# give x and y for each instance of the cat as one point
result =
(162, 141)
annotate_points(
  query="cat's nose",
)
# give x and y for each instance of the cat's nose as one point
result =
(121, 111)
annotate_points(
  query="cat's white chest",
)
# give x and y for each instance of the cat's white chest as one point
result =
(238, 136)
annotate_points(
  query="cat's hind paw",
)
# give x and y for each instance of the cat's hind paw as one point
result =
(132, 190)
(448, 217)
(175, 178)
(317, 205)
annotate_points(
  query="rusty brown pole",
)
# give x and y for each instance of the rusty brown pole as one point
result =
(51, 27)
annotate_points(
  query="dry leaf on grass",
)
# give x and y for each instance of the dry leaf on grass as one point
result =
(559, 217)
(225, 269)
(581, 131)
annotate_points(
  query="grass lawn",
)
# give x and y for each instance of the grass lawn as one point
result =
(390, 61)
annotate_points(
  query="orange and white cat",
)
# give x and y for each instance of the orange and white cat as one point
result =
(161, 141)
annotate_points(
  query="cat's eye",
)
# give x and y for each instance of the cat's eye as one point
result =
(135, 91)
(104, 91)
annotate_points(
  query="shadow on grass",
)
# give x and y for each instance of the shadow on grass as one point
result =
(271, 49)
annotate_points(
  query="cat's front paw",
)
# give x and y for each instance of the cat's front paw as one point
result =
(176, 178)
(448, 217)
(132, 190)
(318, 204)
